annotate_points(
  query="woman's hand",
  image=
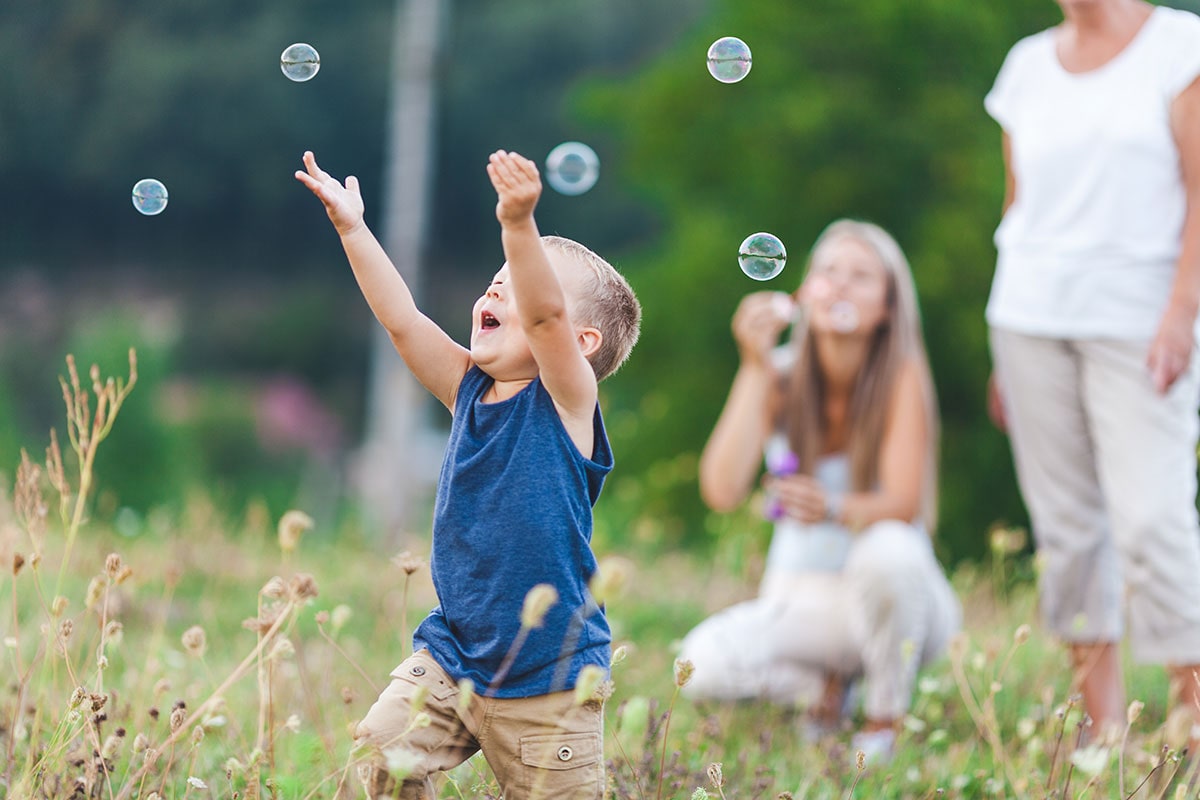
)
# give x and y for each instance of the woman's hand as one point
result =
(1171, 350)
(799, 496)
(759, 321)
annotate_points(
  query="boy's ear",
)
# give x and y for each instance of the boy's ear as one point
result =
(589, 340)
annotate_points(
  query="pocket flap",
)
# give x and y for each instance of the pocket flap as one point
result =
(561, 750)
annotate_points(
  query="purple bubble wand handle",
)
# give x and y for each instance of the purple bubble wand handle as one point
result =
(785, 463)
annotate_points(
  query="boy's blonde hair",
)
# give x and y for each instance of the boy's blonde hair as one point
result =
(607, 304)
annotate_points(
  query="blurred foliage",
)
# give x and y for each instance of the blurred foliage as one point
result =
(871, 110)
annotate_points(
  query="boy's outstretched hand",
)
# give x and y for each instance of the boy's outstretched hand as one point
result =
(517, 185)
(343, 204)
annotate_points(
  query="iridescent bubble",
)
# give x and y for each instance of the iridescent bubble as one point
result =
(572, 168)
(843, 315)
(300, 62)
(149, 196)
(729, 59)
(762, 256)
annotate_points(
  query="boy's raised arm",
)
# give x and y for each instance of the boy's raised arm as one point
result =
(541, 303)
(436, 360)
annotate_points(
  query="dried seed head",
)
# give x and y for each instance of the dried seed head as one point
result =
(1135, 710)
(114, 632)
(140, 742)
(292, 526)
(619, 655)
(110, 746)
(123, 574)
(715, 775)
(303, 587)
(538, 601)
(98, 701)
(347, 695)
(65, 629)
(1021, 634)
(58, 606)
(408, 562)
(321, 617)
(18, 561)
(197, 735)
(341, 615)
(177, 717)
(466, 693)
(293, 723)
(77, 697)
(588, 683)
(683, 672)
(860, 760)
(611, 576)
(112, 565)
(282, 650)
(95, 592)
(274, 589)
(195, 641)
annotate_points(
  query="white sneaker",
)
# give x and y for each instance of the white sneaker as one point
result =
(877, 747)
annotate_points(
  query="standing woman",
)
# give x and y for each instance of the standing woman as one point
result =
(1092, 316)
(851, 585)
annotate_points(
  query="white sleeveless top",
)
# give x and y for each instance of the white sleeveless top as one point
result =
(819, 547)
(1090, 243)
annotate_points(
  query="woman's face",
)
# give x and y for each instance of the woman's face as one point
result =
(846, 289)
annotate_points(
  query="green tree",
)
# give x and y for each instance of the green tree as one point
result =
(871, 110)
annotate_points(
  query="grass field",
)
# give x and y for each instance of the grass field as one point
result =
(230, 658)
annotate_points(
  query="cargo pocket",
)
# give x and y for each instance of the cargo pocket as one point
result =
(420, 669)
(563, 765)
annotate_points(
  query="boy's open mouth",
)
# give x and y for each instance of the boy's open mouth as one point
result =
(488, 321)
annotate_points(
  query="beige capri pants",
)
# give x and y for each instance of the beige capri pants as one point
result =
(888, 612)
(1107, 469)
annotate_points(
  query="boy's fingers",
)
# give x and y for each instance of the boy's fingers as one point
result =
(352, 184)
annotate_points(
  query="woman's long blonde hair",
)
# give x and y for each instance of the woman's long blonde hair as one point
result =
(897, 341)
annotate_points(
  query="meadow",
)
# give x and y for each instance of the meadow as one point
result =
(229, 656)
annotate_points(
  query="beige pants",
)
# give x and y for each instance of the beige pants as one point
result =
(1107, 468)
(538, 747)
(889, 611)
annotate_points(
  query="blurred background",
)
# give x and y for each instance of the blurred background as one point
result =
(260, 374)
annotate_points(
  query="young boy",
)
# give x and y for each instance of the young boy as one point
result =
(525, 462)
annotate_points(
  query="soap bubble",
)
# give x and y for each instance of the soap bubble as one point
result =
(762, 256)
(572, 168)
(729, 59)
(149, 196)
(843, 315)
(300, 62)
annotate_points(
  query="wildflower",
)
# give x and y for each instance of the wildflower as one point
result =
(715, 775)
(211, 721)
(537, 602)
(588, 682)
(292, 526)
(195, 641)
(683, 672)
(1026, 728)
(611, 576)
(408, 562)
(422, 720)
(700, 794)
(10, 642)
(1090, 760)
(293, 723)
(196, 783)
(1021, 634)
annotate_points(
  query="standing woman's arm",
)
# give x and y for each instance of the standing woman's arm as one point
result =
(1172, 346)
(732, 457)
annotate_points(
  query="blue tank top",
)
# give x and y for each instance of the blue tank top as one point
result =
(514, 509)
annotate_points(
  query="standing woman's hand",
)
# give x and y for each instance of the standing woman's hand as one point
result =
(1171, 350)
(759, 321)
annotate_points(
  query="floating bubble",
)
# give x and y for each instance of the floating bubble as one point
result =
(843, 315)
(149, 196)
(762, 256)
(300, 62)
(729, 59)
(572, 168)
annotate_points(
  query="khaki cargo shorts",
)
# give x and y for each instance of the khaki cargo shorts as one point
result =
(538, 747)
